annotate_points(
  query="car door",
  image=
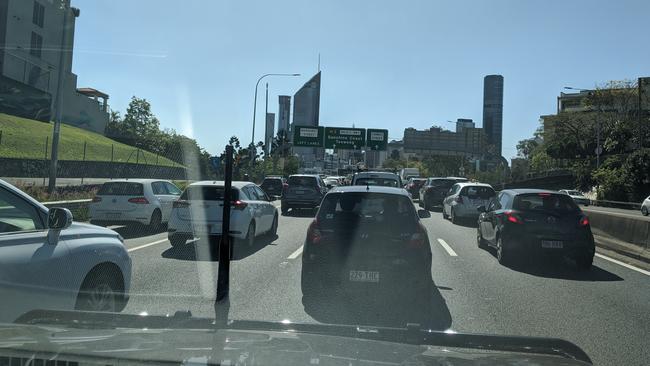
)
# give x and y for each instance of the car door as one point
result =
(268, 209)
(447, 202)
(256, 208)
(34, 272)
(160, 192)
(489, 221)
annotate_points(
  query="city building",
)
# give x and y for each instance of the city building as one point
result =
(31, 37)
(493, 112)
(306, 110)
(470, 142)
(284, 110)
(462, 123)
(269, 132)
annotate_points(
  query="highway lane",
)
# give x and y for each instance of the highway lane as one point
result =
(604, 311)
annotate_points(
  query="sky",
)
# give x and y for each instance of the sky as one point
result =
(385, 64)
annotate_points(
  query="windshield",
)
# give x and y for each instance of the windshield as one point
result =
(122, 122)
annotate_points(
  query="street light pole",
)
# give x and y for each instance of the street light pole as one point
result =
(252, 146)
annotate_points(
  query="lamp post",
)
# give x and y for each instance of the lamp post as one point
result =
(599, 149)
(252, 146)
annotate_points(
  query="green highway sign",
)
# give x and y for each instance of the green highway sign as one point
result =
(377, 139)
(344, 138)
(308, 136)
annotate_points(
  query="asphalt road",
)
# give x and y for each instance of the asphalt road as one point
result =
(604, 311)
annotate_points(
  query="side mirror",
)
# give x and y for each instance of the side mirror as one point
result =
(424, 214)
(481, 208)
(59, 218)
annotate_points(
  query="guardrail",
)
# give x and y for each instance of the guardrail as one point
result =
(616, 204)
(79, 208)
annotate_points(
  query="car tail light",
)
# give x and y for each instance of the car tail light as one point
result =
(239, 205)
(513, 217)
(139, 200)
(419, 239)
(584, 221)
(97, 199)
(459, 199)
(180, 204)
(313, 233)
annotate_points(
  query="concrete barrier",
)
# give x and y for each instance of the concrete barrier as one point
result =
(622, 227)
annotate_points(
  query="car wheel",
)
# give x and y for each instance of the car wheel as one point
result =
(454, 219)
(156, 221)
(584, 262)
(644, 211)
(100, 292)
(274, 226)
(504, 256)
(479, 238)
(444, 214)
(177, 240)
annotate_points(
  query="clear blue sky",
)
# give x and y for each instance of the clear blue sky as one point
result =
(385, 64)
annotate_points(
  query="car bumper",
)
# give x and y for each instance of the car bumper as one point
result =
(530, 245)
(184, 228)
(119, 217)
(301, 203)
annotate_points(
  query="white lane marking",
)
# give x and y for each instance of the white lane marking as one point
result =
(147, 245)
(447, 248)
(623, 264)
(297, 253)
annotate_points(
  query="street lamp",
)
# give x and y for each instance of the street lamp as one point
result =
(252, 146)
(599, 149)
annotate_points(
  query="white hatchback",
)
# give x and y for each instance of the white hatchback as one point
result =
(645, 207)
(199, 213)
(49, 262)
(463, 200)
(127, 201)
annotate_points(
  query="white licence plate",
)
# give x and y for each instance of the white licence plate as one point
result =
(364, 276)
(556, 244)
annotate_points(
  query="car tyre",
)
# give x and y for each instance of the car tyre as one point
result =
(644, 211)
(444, 214)
(177, 240)
(156, 221)
(504, 255)
(249, 240)
(454, 219)
(100, 291)
(584, 262)
(479, 239)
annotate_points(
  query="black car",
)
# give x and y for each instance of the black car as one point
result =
(435, 190)
(273, 186)
(413, 186)
(367, 239)
(527, 223)
(303, 191)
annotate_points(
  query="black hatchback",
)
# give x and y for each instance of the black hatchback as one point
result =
(527, 223)
(273, 186)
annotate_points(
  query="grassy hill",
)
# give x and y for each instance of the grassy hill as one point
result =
(26, 139)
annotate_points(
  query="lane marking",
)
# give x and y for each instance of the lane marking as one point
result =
(623, 264)
(297, 253)
(447, 248)
(146, 245)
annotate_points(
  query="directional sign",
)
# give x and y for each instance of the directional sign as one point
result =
(344, 138)
(308, 136)
(377, 139)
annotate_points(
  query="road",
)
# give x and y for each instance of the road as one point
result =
(604, 311)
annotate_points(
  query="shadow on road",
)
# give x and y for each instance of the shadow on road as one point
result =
(204, 250)
(471, 223)
(300, 213)
(138, 231)
(371, 309)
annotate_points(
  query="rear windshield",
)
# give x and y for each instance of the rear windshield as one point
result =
(442, 183)
(544, 202)
(121, 189)
(206, 193)
(369, 207)
(271, 182)
(302, 181)
(478, 192)
(386, 182)
(575, 193)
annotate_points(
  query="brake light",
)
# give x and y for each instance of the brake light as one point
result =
(512, 217)
(544, 194)
(459, 199)
(584, 221)
(180, 204)
(313, 233)
(418, 239)
(139, 200)
(97, 199)
(239, 205)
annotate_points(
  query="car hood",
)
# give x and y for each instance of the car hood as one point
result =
(88, 339)
(80, 229)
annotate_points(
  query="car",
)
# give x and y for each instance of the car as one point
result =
(435, 189)
(198, 213)
(413, 187)
(341, 180)
(464, 198)
(577, 196)
(273, 186)
(353, 245)
(527, 223)
(385, 179)
(304, 191)
(645, 206)
(134, 201)
(47, 260)
(331, 182)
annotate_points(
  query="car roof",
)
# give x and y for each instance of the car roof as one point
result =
(304, 175)
(476, 184)
(377, 173)
(370, 189)
(528, 191)
(220, 183)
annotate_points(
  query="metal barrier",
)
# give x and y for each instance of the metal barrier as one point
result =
(616, 204)
(79, 208)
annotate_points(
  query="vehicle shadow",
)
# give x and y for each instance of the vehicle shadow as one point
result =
(337, 306)
(204, 250)
(471, 223)
(138, 231)
(300, 213)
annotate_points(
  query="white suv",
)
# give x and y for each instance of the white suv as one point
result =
(126, 201)
(199, 213)
(385, 179)
(645, 207)
(463, 200)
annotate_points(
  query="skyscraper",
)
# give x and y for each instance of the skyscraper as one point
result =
(284, 111)
(493, 112)
(306, 109)
(268, 133)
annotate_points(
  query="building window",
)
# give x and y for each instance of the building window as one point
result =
(39, 14)
(37, 44)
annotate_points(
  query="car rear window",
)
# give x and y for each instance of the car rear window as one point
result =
(370, 207)
(478, 192)
(271, 182)
(443, 183)
(121, 189)
(575, 193)
(544, 202)
(385, 182)
(302, 181)
(206, 193)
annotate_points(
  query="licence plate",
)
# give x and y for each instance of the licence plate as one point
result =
(556, 244)
(364, 276)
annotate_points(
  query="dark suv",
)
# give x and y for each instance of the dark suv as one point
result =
(435, 190)
(273, 186)
(303, 191)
